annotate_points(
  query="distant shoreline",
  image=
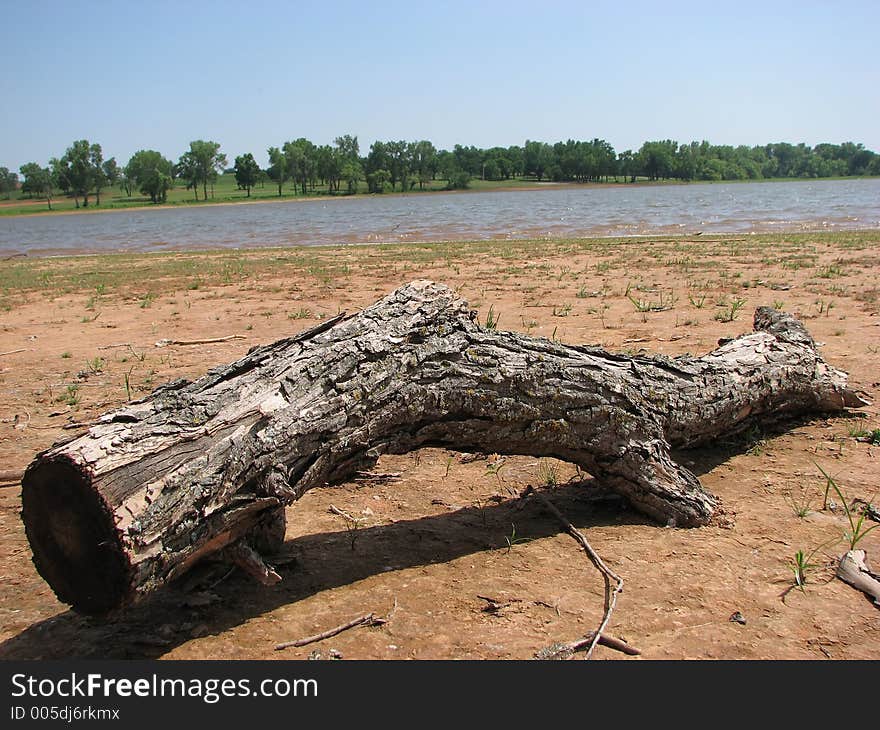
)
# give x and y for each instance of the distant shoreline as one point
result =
(530, 186)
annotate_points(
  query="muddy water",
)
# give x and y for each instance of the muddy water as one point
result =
(620, 210)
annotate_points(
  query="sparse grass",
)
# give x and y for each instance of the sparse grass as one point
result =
(493, 468)
(857, 531)
(127, 380)
(661, 304)
(492, 318)
(801, 504)
(829, 272)
(562, 311)
(825, 307)
(70, 396)
(801, 566)
(870, 437)
(730, 311)
(512, 539)
(548, 474)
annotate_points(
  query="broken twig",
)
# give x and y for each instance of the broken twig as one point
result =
(165, 343)
(564, 651)
(342, 513)
(12, 352)
(607, 574)
(368, 619)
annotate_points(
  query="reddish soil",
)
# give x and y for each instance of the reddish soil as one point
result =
(431, 545)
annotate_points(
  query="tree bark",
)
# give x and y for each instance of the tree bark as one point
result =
(156, 486)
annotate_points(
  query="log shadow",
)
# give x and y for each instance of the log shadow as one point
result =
(703, 459)
(318, 562)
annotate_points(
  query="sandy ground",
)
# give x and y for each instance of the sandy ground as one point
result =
(429, 547)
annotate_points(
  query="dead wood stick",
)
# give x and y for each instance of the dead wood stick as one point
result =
(368, 619)
(12, 352)
(607, 574)
(563, 651)
(342, 513)
(10, 478)
(210, 341)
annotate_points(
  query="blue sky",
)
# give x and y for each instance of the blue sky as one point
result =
(253, 74)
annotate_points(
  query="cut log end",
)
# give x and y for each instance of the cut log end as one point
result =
(75, 543)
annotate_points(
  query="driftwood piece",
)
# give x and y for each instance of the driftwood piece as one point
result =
(158, 485)
(853, 569)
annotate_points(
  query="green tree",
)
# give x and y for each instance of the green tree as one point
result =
(459, 180)
(38, 181)
(399, 154)
(151, 174)
(112, 171)
(627, 165)
(247, 172)
(75, 171)
(538, 159)
(377, 180)
(200, 165)
(424, 161)
(348, 147)
(348, 153)
(126, 184)
(329, 166)
(657, 158)
(352, 172)
(302, 161)
(8, 182)
(378, 159)
(99, 179)
(278, 171)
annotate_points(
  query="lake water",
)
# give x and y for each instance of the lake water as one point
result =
(620, 210)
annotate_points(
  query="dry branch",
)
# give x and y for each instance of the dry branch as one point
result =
(564, 651)
(608, 575)
(210, 341)
(158, 485)
(368, 619)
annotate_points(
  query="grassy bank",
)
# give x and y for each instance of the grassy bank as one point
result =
(224, 191)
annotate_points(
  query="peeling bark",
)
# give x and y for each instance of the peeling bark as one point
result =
(156, 486)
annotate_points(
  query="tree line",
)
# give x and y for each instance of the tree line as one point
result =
(82, 172)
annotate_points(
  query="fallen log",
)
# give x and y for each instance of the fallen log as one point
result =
(158, 485)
